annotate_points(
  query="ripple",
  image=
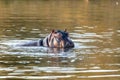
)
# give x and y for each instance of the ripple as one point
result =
(11, 74)
(79, 27)
(83, 31)
(107, 34)
(115, 64)
(35, 30)
(36, 77)
(79, 46)
(85, 40)
(88, 71)
(22, 71)
(86, 35)
(15, 42)
(118, 31)
(99, 76)
(8, 69)
(71, 70)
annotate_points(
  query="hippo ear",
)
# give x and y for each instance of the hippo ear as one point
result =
(53, 31)
(65, 30)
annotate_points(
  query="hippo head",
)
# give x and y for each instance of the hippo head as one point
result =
(58, 39)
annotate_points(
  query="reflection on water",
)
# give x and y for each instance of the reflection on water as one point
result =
(93, 26)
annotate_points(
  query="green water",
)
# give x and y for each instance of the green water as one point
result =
(93, 25)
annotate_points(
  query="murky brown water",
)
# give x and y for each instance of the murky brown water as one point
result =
(94, 26)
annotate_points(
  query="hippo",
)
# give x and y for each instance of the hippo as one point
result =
(56, 39)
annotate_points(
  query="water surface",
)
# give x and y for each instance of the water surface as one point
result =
(94, 27)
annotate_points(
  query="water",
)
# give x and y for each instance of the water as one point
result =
(94, 27)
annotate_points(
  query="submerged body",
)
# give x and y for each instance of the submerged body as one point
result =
(56, 39)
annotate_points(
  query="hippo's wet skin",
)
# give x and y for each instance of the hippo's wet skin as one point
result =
(56, 39)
